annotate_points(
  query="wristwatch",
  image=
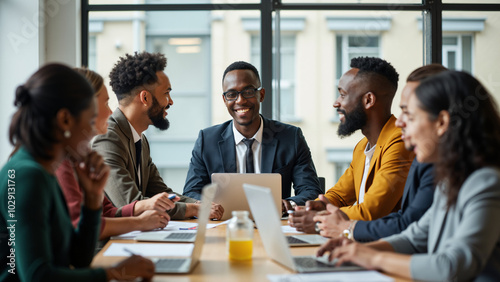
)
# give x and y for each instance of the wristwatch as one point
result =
(316, 227)
(349, 232)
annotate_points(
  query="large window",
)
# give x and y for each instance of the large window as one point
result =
(315, 47)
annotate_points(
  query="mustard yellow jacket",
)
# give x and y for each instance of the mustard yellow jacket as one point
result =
(386, 179)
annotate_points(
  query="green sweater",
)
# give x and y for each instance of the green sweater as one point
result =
(37, 240)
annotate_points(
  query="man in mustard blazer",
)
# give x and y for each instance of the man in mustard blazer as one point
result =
(373, 184)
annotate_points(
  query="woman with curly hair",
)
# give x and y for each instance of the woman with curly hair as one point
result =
(453, 122)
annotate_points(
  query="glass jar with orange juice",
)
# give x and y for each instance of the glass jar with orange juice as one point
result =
(239, 238)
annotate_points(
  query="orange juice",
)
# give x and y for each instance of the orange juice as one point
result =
(240, 249)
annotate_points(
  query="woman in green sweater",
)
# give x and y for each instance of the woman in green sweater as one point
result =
(55, 119)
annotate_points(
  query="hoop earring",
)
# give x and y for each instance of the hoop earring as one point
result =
(67, 134)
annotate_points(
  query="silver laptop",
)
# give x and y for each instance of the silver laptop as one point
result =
(186, 264)
(275, 244)
(305, 240)
(167, 236)
(230, 190)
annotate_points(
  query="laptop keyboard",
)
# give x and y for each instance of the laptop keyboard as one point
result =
(294, 240)
(165, 264)
(182, 236)
(308, 262)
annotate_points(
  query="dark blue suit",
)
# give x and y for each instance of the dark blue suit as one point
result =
(284, 151)
(417, 198)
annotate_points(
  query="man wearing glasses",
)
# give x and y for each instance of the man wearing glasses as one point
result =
(251, 143)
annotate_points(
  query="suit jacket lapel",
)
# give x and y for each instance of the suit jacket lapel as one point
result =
(227, 149)
(124, 126)
(269, 146)
(144, 161)
(384, 134)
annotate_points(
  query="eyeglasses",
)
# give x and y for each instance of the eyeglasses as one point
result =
(232, 95)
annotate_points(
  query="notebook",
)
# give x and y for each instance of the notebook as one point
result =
(230, 190)
(186, 264)
(275, 243)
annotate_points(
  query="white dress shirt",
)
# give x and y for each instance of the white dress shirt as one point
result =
(368, 159)
(241, 149)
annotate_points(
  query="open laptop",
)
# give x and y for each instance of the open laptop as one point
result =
(186, 264)
(275, 244)
(230, 190)
(305, 240)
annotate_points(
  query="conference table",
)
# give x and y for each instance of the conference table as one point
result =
(214, 263)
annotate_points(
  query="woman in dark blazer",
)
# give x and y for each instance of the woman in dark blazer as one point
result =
(453, 123)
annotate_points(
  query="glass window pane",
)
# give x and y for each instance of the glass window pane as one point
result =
(324, 48)
(450, 40)
(392, 5)
(198, 45)
(363, 41)
(451, 60)
(479, 40)
(467, 53)
(110, 2)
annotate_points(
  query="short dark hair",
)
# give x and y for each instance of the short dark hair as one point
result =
(241, 65)
(373, 65)
(424, 72)
(471, 141)
(52, 88)
(135, 70)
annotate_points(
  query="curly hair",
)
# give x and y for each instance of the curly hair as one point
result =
(135, 70)
(471, 141)
(373, 65)
(241, 65)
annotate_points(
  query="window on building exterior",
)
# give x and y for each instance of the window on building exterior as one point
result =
(92, 53)
(287, 74)
(457, 52)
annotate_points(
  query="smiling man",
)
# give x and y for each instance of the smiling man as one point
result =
(143, 92)
(251, 143)
(373, 184)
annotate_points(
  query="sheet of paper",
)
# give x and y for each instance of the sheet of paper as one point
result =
(366, 276)
(149, 250)
(171, 226)
(288, 229)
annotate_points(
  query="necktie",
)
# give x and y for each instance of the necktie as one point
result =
(249, 155)
(138, 151)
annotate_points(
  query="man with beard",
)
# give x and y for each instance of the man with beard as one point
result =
(273, 147)
(373, 184)
(143, 92)
(418, 193)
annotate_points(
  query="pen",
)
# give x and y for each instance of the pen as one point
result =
(187, 228)
(172, 196)
(130, 252)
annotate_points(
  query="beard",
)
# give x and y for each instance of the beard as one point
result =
(352, 121)
(155, 114)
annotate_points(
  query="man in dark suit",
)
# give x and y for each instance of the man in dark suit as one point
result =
(418, 192)
(251, 143)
